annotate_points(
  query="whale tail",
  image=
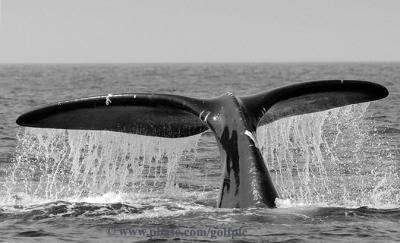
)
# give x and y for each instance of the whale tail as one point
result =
(246, 180)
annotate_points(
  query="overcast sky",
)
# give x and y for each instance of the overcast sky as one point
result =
(64, 31)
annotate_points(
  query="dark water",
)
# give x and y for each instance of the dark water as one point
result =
(345, 187)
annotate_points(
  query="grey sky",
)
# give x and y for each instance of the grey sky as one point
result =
(199, 30)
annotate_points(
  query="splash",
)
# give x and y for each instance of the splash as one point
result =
(335, 157)
(330, 158)
(53, 164)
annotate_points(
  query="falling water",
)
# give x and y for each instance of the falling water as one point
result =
(335, 157)
(67, 164)
(330, 158)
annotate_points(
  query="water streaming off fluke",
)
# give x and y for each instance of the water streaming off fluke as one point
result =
(335, 157)
(57, 164)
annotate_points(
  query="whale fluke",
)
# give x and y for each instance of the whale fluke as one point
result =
(145, 114)
(246, 180)
(309, 97)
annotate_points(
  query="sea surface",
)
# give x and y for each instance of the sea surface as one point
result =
(337, 171)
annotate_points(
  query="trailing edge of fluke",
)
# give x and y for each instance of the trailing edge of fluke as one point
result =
(246, 181)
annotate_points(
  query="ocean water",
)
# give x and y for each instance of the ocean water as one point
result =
(337, 171)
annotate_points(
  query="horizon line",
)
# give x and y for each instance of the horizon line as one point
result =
(195, 62)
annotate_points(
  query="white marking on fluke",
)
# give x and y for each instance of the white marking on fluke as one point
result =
(201, 113)
(205, 118)
(341, 81)
(108, 101)
(264, 110)
(251, 136)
